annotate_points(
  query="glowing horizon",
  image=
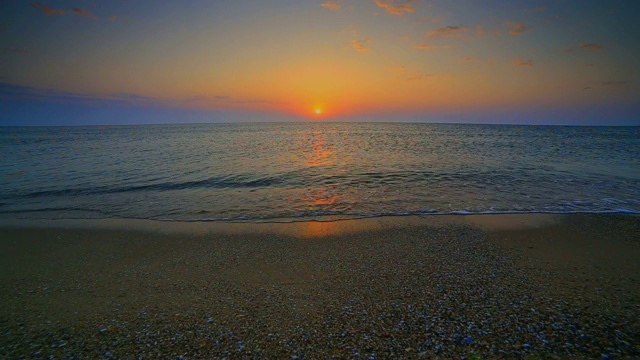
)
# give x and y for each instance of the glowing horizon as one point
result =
(351, 60)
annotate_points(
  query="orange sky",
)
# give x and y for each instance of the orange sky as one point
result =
(347, 58)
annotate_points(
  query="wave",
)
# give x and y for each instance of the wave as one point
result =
(510, 178)
(327, 216)
(330, 217)
(221, 182)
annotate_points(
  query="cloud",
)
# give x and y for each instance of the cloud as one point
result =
(467, 59)
(205, 98)
(448, 31)
(588, 65)
(221, 99)
(360, 45)
(516, 28)
(129, 97)
(253, 101)
(3, 27)
(16, 50)
(47, 94)
(393, 7)
(331, 5)
(429, 47)
(523, 62)
(47, 10)
(113, 18)
(83, 12)
(592, 47)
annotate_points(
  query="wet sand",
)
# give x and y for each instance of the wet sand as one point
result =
(494, 286)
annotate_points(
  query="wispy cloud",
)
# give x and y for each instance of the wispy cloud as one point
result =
(47, 10)
(523, 63)
(448, 31)
(3, 27)
(592, 47)
(516, 28)
(220, 100)
(16, 50)
(395, 7)
(113, 18)
(426, 47)
(331, 5)
(47, 94)
(360, 45)
(467, 59)
(129, 97)
(199, 98)
(250, 101)
(83, 12)
(19, 92)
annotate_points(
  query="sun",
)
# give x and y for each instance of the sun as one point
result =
(318, 111)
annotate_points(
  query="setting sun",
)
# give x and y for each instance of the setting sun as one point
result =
(318, 111)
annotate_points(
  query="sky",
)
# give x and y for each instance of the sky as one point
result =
(83, 62)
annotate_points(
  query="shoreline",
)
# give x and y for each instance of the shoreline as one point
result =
(493, 286)
(296, 228)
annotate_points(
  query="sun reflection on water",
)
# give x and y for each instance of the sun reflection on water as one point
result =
(321, 153)
(323, 197)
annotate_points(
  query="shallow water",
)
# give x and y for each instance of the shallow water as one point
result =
(285, 172)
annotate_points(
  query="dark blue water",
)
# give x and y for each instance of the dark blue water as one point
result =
(284, 172)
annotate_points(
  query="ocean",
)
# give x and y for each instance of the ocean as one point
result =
(284, 172)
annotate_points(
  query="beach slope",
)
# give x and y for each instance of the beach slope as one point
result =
(497, 286)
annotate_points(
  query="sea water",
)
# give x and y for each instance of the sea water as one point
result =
(321, 171)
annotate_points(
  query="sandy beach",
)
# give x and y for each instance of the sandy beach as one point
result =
(475, 287)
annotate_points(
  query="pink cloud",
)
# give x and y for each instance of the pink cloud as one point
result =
(393, 7)
(516, 28)
(331, 5)
(47, 10)
(83, 12)
(360, 45)
(592, 47)
(523, 63)
(429, 47)
(449, 31)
